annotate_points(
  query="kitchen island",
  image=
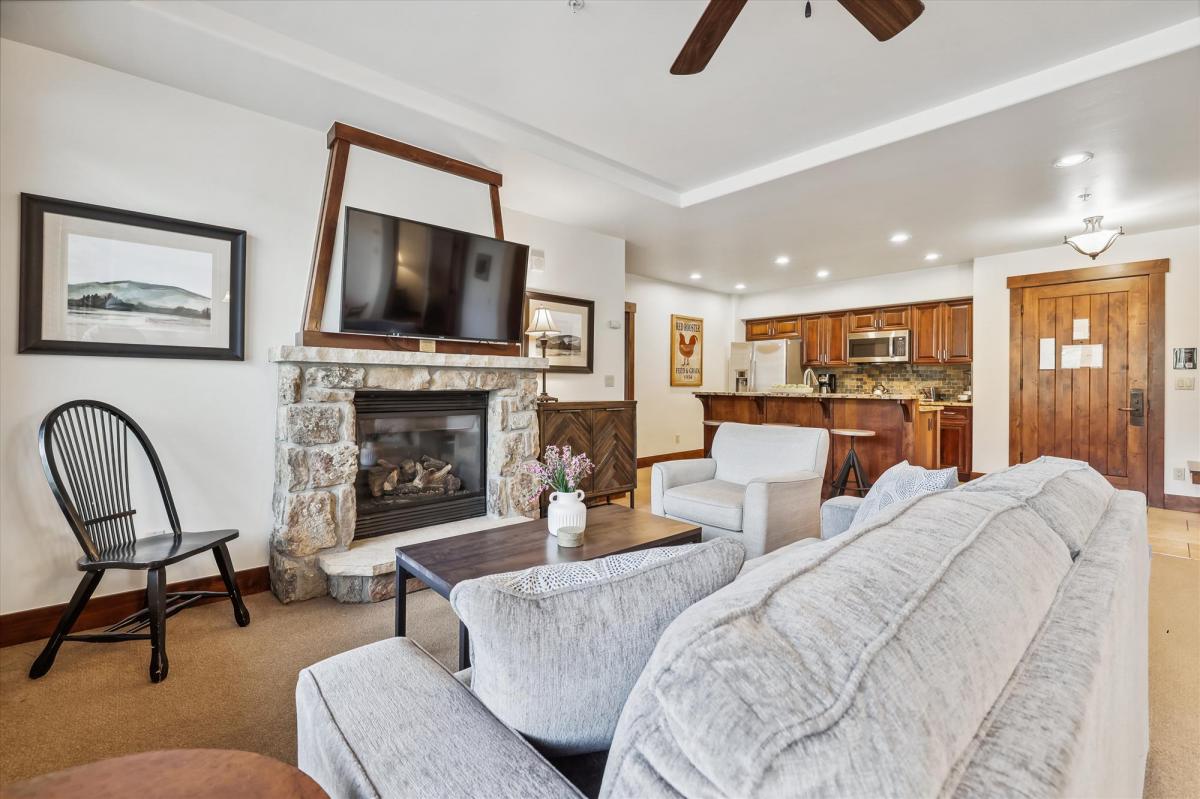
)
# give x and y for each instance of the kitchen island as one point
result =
(893, 418)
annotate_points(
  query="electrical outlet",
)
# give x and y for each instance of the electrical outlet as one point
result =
(676, 438)
(609, 381)
(1179, 473)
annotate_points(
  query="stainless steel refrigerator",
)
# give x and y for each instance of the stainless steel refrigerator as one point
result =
(759, 365)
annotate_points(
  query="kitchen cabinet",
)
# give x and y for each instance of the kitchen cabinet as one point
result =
(606, 431)
(895, 317)
(954, 448)
(941, 332)
(825, 339)
(775, 327)
(927, 436)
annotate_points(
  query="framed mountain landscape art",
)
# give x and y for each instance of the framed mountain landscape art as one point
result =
(569, 348)
(101, 281)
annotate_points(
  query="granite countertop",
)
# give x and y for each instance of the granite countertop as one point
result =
(947, 403)
(814, 395)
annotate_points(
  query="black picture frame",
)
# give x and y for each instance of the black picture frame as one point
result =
(30, 337)
(587, 307)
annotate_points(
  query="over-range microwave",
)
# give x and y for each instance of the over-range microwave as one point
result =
(878, 346)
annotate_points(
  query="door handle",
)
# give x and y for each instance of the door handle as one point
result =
(1137, 407)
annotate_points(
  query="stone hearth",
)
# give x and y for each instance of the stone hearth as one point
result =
(316, 451)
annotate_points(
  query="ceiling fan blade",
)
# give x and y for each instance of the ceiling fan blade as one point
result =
(706, 37)
(884, 18)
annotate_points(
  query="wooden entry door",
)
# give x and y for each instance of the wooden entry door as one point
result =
(1108, 414)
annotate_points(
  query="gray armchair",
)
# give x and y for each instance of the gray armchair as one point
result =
(762, 485)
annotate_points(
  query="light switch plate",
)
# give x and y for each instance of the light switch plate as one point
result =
(1178, 473)
(609, 381)
(1185, 384)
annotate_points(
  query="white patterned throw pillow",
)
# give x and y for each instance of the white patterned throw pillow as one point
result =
(903, 481)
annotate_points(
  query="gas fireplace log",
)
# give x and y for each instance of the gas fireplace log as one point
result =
(382, 478)
(431, 477)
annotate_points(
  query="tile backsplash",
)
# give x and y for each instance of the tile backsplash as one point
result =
(903, 378)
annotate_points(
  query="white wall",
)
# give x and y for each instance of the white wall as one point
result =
(588, 266)
(919, 285)
(73, 130)
(1182, 246)
(671, 419)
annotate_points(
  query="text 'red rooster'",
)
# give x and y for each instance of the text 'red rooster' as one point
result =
(687, 346)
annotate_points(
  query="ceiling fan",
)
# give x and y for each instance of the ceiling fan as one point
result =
(883, 18)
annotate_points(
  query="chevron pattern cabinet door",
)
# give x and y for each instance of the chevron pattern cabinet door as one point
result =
(614, 449)
(568, 427)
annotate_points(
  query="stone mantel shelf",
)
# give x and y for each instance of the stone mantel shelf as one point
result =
(296, 354)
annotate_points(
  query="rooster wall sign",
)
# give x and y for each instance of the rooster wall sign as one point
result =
(687, 351)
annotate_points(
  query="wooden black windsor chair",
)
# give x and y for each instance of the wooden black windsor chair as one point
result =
(85, 447)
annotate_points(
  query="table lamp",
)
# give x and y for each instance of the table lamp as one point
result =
(542, 325)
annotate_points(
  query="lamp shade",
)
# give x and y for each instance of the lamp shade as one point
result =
(1094, 239)
(541, 322)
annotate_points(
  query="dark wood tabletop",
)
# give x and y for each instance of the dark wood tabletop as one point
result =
(611, 529)
(174, 774)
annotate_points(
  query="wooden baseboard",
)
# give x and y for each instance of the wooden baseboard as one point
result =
(1180, 502)
(36, 623)
(650, 460)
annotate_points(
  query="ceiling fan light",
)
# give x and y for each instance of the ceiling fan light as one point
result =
(1094, 239)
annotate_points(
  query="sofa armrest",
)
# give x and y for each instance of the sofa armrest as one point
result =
(387, 719)
(668, 474)
(780, 509)
(837, 513)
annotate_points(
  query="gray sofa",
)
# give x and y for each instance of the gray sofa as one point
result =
(762, 485)
(985, 641)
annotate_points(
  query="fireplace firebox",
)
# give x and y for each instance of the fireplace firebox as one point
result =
(422, 459)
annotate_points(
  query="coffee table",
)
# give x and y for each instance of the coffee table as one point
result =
(442, 564)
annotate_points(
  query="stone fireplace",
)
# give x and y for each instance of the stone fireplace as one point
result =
(412, 439)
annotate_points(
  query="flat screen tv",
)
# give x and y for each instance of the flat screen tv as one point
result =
(401, 277)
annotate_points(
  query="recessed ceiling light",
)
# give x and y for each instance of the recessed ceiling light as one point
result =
(822, 273)
(1074, 159)
(782, 260)
(739, 286)
(695, 275)
(900, 238)
(932, 256)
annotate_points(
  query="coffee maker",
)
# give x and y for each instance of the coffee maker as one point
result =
(827, 383)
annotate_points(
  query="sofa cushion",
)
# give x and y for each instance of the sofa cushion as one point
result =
(746, 451)
(900, 482)
(555, 649)
(713, 503)
(1069, 495)
(862, 666)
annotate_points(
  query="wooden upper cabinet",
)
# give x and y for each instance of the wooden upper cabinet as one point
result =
(825, 339)
(956, 331)
(941, 332)
(758, 329)
(777, 327)
(865, 320)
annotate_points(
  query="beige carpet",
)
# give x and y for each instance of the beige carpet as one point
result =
(233, 688)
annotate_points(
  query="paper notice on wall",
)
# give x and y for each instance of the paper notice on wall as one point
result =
(1080, 330)
(1046, 353)
(1072, 356)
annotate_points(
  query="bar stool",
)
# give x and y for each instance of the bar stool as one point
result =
(851, 462)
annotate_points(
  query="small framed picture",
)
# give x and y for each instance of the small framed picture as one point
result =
(101, 281)
(687, 350)
(569, 346)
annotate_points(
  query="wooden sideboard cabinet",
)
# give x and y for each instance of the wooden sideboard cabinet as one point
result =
(941, 332)
(606, 431)
(954, 447)
(774, 327)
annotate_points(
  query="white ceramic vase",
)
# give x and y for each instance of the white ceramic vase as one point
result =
(567, 517)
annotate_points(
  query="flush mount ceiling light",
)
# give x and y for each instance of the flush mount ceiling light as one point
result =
(695, 275)
(822, 273)
(1094, 239)
(782, 260)
(900, 238)
(1074, 159)
(932, 256)
(739, 286)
